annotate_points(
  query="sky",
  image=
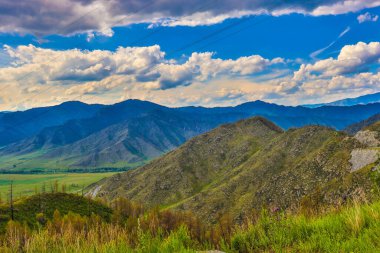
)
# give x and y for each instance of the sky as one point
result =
(180, 53)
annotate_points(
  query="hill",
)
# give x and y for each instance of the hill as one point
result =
(250, 164)
(133, 132)
(27, 209)
(362, 100)
(354, 128)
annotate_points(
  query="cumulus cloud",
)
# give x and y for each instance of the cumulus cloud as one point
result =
(367, 17)
(80, 72)
(352, 58)
(348, 73)
(35, 76)
(75, 16)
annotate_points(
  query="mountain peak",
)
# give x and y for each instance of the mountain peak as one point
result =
(261, 120)
(240, 166)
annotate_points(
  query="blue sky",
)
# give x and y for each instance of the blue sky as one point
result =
(208, 56)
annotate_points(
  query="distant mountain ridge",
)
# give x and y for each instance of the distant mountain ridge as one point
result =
(127, 134)
(15, 126)
(362, 100)
(356, 127)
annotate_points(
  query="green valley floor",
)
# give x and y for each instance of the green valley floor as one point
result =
(28, 184)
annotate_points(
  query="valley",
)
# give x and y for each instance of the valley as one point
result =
(202, 126)
(128, 134)
(29, 184)
(237, 187)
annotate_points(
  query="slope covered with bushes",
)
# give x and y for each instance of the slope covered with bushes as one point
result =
(250, 164)
(348, 229)
(45, 204)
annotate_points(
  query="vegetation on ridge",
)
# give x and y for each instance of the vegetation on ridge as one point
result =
(245, 165)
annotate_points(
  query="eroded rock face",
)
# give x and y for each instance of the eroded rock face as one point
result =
(368, 138)
(362, 157)
(94, 192)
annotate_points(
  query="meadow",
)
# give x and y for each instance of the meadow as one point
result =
(28, 184)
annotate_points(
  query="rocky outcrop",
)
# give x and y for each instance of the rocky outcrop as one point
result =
(368, 138)
(363, 157)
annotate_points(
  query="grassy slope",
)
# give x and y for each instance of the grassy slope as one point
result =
(195, 165)
(354, 229)
(25, 184)
(247, 165)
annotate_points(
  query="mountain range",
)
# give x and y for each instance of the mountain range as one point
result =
(253, 164)
(362, 100)
(356, 127)
(77, 136)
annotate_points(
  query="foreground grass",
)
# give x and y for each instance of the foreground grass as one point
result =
(26, 184)
(350, 229)
(354, 229)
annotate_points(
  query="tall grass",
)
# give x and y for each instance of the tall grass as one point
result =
(354, 229)
(349, 229)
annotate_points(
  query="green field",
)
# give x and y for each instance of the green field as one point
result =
(26, 184)
(36, 162)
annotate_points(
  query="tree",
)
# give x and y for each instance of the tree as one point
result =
(63, 186)
(55, 186)
(11, 200)
(43, 188)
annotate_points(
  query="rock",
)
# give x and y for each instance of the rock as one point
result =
(94, 192)
(362, 157)
(368, 138)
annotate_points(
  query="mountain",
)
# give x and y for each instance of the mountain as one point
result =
(77, 129)
(356, 127)
(15, 126)
(362, 100)
(247, 165)
(133, 141)
(130, 133)
(295, 116)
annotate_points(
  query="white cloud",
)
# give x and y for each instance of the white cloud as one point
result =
(352, 58)
(75, 73)
(346, 6)
(88, 16)
(37, 76)
(348, 73)
(367, 17)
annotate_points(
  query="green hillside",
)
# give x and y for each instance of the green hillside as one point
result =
(27, 209)
(248, 165)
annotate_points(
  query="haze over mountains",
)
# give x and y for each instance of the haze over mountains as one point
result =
(78, 136)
